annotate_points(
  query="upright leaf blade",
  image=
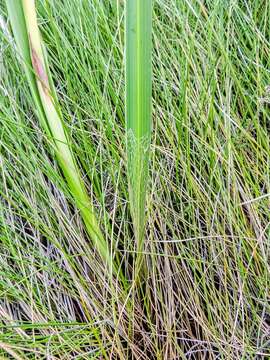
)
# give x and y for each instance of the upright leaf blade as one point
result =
(138, 106)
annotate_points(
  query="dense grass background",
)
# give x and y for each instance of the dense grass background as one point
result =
(204, 293)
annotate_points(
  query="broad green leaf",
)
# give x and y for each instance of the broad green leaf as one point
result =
(138, 106)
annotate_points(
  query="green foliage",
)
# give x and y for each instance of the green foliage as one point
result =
(25, 28)
(138, 106)
(204, 290)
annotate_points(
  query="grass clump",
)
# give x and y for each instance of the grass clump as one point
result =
(203, 292)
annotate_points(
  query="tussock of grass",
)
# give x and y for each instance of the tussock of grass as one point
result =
(204, 290)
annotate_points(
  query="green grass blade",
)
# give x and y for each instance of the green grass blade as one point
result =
(25, 28)
(138, 106)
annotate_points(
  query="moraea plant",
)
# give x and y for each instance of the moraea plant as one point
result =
(138, 107)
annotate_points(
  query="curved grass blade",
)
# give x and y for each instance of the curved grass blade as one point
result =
(23, 19)
(138, 107)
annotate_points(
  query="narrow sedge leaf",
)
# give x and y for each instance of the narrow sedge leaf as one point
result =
(26, 32)
(138, 106)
